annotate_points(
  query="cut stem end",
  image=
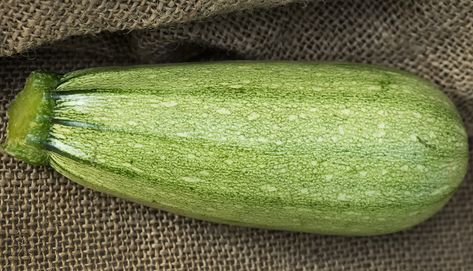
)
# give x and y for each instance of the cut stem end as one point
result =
(29, 119)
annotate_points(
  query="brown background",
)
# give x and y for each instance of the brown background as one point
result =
(50, 223)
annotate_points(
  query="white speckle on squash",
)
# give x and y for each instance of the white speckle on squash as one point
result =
(374, 87)
(415, 213)
(191, 179)
(417, 115)
(304, 191)
(406, 91)
(262, 139)
(169, 104)
(292, 117)
(313, 109)
(420, 167)
(236, 86)
(380, 134)
(224, 111)
(268, 188)
(346, 111)
(229, 162)
(305, 210)
(384, 172)
(253, 116)
(363, 173)
(413, 137)
(440, 190)
(204, 173)
(371, 193)
(341, 130)
(404, 168)
(342, 196)
(381, 125)
(328, 177)
(461, 129)
(279, 142)
(183, 134)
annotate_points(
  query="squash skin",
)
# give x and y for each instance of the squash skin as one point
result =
(330, 148)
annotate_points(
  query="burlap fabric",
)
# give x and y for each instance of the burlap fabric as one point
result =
(50, 223)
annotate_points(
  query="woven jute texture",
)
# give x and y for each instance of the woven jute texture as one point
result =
(50, 223)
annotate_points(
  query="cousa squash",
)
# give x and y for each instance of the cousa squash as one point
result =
(330, 148)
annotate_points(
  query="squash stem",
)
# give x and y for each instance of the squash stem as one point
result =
(29, 119)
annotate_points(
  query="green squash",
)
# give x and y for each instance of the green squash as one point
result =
(328, 148)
